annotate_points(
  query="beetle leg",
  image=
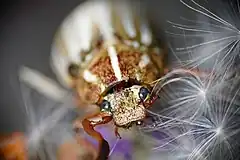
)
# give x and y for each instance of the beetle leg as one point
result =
(117, 133)
(88, 125)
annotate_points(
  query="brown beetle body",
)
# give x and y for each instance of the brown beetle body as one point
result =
(114, 66)
(100, 73)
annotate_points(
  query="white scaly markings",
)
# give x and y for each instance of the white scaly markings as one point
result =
(100, 10)
(114, 61)
(106, 29)
(89, 77)
(146, 35)
(127, 17)
(78, 31)
(128, 14)
(92, 78)
(124, 11)
(145, 60)
(75, 35)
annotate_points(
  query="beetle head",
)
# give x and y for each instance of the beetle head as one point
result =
(127, 106)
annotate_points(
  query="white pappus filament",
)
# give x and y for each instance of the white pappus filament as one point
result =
(199, 119)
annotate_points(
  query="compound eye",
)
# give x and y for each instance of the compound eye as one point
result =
(143, 93)
(73, 70)
(105, 106)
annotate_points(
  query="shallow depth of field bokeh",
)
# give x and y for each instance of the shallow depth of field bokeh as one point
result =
(196, 117)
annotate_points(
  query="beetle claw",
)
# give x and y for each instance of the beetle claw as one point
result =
(117, 133)
(88, 125)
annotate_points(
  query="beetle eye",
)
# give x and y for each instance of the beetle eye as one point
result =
(143, 93)
(105, 106)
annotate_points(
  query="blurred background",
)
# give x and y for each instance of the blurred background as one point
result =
(27, 29)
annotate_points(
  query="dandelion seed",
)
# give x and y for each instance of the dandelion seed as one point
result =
(218, 131)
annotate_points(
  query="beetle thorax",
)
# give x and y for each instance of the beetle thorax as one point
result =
(126, 106)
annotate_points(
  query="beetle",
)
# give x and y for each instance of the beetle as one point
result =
(110, 62)
(108, 55)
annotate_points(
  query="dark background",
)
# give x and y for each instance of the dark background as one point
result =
(27, 28)
(26, 33)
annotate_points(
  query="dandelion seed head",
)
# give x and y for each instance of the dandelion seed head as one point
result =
(219, 131)
(202, 94)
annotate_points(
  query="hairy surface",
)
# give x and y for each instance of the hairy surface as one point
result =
(126, 106)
